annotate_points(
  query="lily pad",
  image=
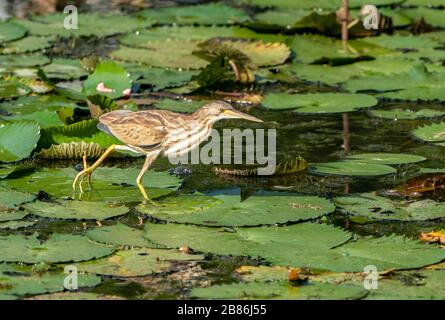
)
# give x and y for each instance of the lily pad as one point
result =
(318, 102)
(31, 104)
(351, 168)
(229, 210)
(186, 106)
(163, 54)
(405, 114)
(160, 78)
(281, 290)
(255, 242)
(89, 24)
(435, 17)
(136, 262)
(77, 210)
(18, 140)
(377, 208)
(121, 235)
(19, 280)
(45, 118)
(205, 14)
(10, 31)
(64, 69)
(23, 60)
(25, 45)
(12, 89)
(310, 4)
(109, 184)
(433, 133)
(113, 77)
(386, 158)
(14, 225)
(29, 249)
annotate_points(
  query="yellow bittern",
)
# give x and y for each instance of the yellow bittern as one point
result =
(152, 132)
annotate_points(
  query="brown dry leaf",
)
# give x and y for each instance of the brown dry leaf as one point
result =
(433, 237)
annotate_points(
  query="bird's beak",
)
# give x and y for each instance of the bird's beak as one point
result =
(240, 115)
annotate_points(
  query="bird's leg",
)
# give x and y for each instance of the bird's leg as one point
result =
(148, 162)
(87, 171)
(85, 166)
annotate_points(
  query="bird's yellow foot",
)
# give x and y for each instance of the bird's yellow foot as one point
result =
(86, 172)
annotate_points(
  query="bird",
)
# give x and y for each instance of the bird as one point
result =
(155, 132)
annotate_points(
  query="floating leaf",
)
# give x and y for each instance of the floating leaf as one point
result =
(160, 78)
(121, 235)
(405, 114)
(23, 61)
(205, 14)
(318, 102)
(186, 106)
(18, 140)
(228, 210)
(10, 31)
(255, 242)
(351, 168)
(29, 249)
(310, 4)
(378, 208)
(434, 17)
(19, 280)
(25, 45)
(14, 225)
(44, 118)
(64, 69)
(109, 184)
(386, 158)
(76, 210)
(89, 24)
(12, 89)
(432, 133)
(136, 262)
(113, 77)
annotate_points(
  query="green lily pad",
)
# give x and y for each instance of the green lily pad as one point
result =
(10, 31)
(18, 140)
(109, 184)
(248, 241)
(280, 290)
(186, 106)
(28, 44)
(113, 76)
(89, 24)
(205, 14)
(310, 4)
(160, 78)
(77, 210)
(318, 102)
(64, 69)
(75, 295)
(434, 17)
(19, 280)
(351, 168)
(12, 89)
(379, 208)
(23, 60)
(386, 158)
(163, 54)
(14, 225)
(405, 114)
(31, 104)
(323, 50)
(433, 133)
(136, 262)
(44, 118)
(417, 84)
(121, 235)
(29, 249)
(229, 210)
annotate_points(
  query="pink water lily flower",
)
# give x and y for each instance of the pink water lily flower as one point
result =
(101, 88)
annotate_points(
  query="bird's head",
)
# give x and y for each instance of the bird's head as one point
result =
(220, 110)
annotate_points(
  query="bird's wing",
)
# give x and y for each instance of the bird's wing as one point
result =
(144, 129)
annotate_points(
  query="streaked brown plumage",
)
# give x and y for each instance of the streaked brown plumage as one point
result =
(153, 132)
